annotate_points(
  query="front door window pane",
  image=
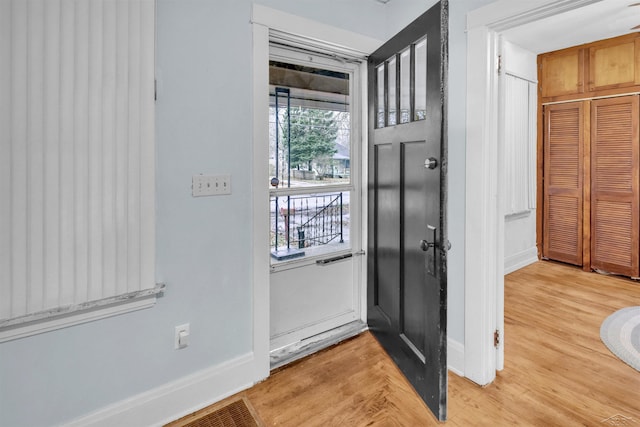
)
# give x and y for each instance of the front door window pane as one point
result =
(391, 90)
(405, 86)
(421, 80)
(309, 127)
(380, 96)
(309, 150)
(309, 223)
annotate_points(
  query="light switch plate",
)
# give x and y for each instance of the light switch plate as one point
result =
(210, 185)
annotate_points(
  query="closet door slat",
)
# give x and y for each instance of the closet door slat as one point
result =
(614, 186)
(563, 189)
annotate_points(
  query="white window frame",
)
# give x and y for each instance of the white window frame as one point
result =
(354, 187)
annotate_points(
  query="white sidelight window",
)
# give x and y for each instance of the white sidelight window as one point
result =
(76, 161)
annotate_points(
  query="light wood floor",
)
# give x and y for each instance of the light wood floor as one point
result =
(558, 372)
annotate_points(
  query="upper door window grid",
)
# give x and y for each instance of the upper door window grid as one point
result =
(400, 98)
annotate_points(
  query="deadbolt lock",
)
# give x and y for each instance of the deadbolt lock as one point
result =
(431, 163)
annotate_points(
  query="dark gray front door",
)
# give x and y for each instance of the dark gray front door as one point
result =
(407, 280)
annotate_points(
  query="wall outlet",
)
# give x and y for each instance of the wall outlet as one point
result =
(181, 337)
(210, 185)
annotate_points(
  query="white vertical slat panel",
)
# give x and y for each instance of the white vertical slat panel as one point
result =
(108, 153)
(80, 148)
(147, 151)
(67, 185)
(508, 145)
(520, 135)
(5, 157)
(35, 176)
(533, 150)
(122, 136)
(95, 250)
(517, 144)
(19, 163)
(76, 154)
(133, 155)
(522, 203)
(51, 137)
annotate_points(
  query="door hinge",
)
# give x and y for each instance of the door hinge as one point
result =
(499, 64)
(155, 89)
(496, 338)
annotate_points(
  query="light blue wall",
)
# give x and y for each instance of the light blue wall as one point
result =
(204, 244)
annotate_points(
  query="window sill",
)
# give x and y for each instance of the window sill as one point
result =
(312, 255)
(63, 317)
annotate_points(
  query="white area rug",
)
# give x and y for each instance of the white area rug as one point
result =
(620, 332)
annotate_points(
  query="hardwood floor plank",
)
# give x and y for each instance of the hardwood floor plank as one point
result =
(366, 389)
(557, 370)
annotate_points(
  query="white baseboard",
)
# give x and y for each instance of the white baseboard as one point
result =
(178, 398)
(455, 357)
(521, 259)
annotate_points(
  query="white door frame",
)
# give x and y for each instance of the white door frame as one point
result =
(264, 19)
(484, 213)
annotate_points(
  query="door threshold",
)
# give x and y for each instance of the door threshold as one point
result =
(292, 352)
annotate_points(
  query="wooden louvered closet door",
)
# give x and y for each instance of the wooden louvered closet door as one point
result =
(563, 183)
(615, 186)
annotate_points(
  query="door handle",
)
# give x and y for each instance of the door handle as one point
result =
(424, 245)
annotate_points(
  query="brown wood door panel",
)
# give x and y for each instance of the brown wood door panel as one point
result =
(563, 184)
(612, 239)
(615, 187)
(614, 64)
(562, 73)
(564, 240)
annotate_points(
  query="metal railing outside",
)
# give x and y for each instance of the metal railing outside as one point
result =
(299, 222)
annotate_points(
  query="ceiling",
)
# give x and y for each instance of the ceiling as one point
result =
(600, 20)
(597, 21)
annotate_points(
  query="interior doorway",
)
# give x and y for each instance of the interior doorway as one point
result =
(540, 26)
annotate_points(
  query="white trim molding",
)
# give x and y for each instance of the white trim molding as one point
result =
(455, 357)
(481, 212)
(520, 260)
(63, 317)
(504, 14)
(337, 39)
(260, 202)
(178, 398)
